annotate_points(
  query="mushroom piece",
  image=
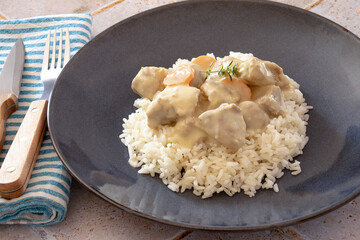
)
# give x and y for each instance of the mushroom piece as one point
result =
(199, 77)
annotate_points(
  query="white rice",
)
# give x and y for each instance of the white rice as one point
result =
(212, 169)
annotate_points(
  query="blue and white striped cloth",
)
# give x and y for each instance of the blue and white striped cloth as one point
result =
(47, 195)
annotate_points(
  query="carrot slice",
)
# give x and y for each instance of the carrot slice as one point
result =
(204, 61)
(183, 74)
(240, 86)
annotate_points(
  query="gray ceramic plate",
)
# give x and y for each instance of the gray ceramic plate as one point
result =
(93, 95)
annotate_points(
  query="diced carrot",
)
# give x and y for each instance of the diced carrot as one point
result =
(240, 85)
(183, 74)
(204, 61)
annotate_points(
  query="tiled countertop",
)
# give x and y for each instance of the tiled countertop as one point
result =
(90, 217)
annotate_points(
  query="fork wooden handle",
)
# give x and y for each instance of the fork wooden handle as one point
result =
(8, 105)
(18, 164)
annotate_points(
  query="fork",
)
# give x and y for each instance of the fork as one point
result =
(18, 164)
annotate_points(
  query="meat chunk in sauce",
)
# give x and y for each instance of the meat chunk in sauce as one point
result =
(225, 124)
(148, 81)
(254, 116)
(269, 97)
(213, 100)
(224, 90)
(256, 72)
(187, 133)
(172, 103)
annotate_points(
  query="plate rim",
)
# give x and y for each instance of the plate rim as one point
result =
(97, 193)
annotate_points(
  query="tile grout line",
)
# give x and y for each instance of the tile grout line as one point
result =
(314, 4)
(106, 7)
(182, 235)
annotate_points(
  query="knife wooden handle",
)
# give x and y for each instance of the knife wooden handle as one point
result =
(19, 161)
(8, 105)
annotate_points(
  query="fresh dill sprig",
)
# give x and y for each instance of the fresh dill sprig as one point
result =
(229, 70)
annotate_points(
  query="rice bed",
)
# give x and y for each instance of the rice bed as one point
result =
(213, 169)
(209, 169)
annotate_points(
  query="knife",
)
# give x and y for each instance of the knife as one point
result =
(10, 85)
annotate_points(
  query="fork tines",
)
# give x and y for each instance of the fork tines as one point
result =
(59, 64)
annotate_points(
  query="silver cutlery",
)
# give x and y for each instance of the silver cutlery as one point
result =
(20, 159)
(10, 78)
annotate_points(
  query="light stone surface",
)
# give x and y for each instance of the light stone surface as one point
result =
(90, 217)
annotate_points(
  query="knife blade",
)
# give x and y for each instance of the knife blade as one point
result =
(10, 77)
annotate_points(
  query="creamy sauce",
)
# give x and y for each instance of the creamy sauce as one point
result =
(217, 102)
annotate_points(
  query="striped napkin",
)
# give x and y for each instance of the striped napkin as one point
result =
(47, 195)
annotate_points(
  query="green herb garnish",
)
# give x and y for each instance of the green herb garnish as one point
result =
(229, 70)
